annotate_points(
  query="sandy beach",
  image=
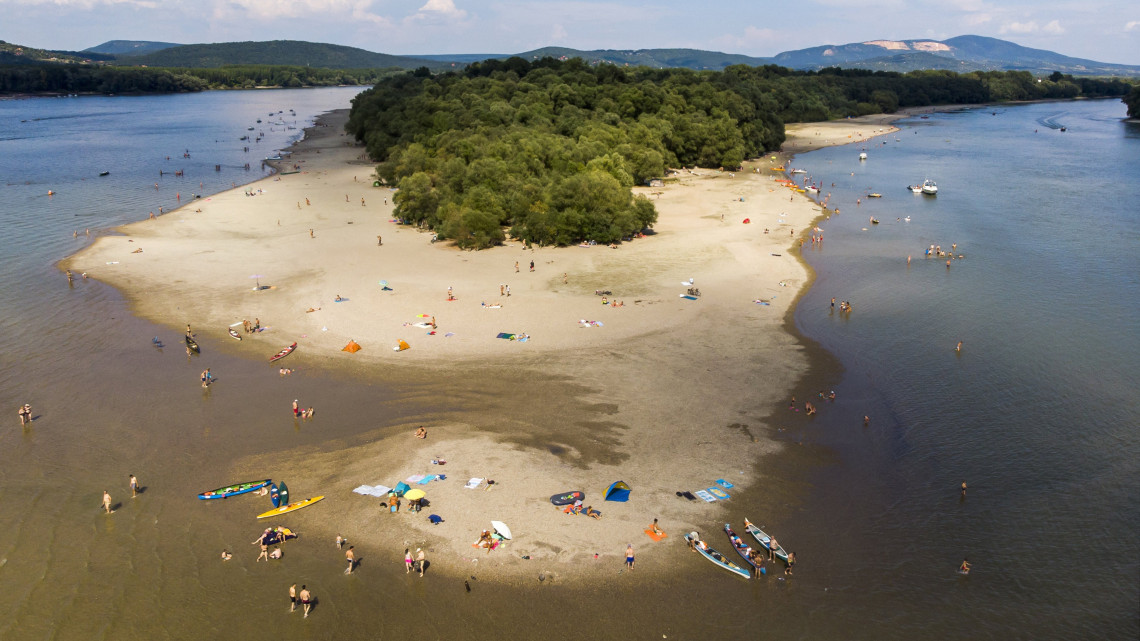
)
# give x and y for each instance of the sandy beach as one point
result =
(663, 392)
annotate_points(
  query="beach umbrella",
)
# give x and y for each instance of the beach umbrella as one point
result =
(501, 528)
(257, 278)
(415, 494)
(352, 347)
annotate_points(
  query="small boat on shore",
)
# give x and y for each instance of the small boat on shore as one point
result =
(763, 539)
(235, 334)
(740, 548)
(929, 187)
(715, 557)
(285, 509)
(283, 353)
(234, 490)
(193, 345)
(798, 171)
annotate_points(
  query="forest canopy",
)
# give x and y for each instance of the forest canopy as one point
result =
(551, 148)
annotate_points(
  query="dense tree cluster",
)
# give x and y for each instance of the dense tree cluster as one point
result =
(53, 78)
(1133, 102)
(550, 148)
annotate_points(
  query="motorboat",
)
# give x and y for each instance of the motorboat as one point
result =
(863, 156)
(929, 188)
(874, 194)
(916, 189)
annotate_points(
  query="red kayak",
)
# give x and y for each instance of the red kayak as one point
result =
(283, 353)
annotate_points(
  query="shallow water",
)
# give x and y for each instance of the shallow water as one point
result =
(1035, 413)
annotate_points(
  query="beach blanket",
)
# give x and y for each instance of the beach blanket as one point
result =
(725, 484)
(413, 479)
(474, 483)
(422, 325)
(705, 496)
(507, 336)
(373, 490)
(655, 537)
(589, 323)
(429, 478)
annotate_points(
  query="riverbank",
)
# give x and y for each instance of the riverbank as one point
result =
(663, 392)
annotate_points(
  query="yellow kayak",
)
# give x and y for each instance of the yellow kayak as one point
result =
(289, 508)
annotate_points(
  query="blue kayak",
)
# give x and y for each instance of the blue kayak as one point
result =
(716, 557)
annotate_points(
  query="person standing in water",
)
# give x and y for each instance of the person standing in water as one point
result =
(134, 486)
(629, 556)
(293, 598)
(349, 556)
(107, 502)
(306, 600)
(965, 567)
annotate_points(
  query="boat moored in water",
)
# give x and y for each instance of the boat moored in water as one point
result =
(929, 187)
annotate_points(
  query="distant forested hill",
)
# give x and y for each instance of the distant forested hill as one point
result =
(276, 52)
(129, 47)
(656, 58)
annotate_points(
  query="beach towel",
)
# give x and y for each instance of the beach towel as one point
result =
(473, 483)
(725, 484)
(655, 537)
(422, 325)
(719, 493)
(705, 496)
(507, 336)
(427, 479)
(363, 489)
(415, 478)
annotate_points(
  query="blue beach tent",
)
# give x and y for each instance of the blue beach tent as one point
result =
(400, 488)
(619, 491)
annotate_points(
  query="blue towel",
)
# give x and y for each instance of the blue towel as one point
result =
(435, 518)
(723, 483)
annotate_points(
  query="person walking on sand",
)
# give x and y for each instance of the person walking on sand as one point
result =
(340, 542)
(293, 598)
(420, 560)
(306, 600)
(349, 556)
(408, 561)
(532, 265)
(107, 502)
(629, 556)
(134, 486)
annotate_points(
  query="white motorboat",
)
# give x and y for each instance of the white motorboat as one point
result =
(929, 188)
(863, 156)
(915, 189)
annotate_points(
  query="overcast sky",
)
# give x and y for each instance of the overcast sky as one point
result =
(1102, 30)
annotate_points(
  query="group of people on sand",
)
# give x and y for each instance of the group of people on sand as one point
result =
(271, 536)
(249, 327)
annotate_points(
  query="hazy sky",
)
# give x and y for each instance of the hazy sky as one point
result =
(1102, 30)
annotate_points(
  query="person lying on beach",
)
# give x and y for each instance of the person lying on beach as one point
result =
(421, 432)
(590, 511)
(312, 309)
(338, 298)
